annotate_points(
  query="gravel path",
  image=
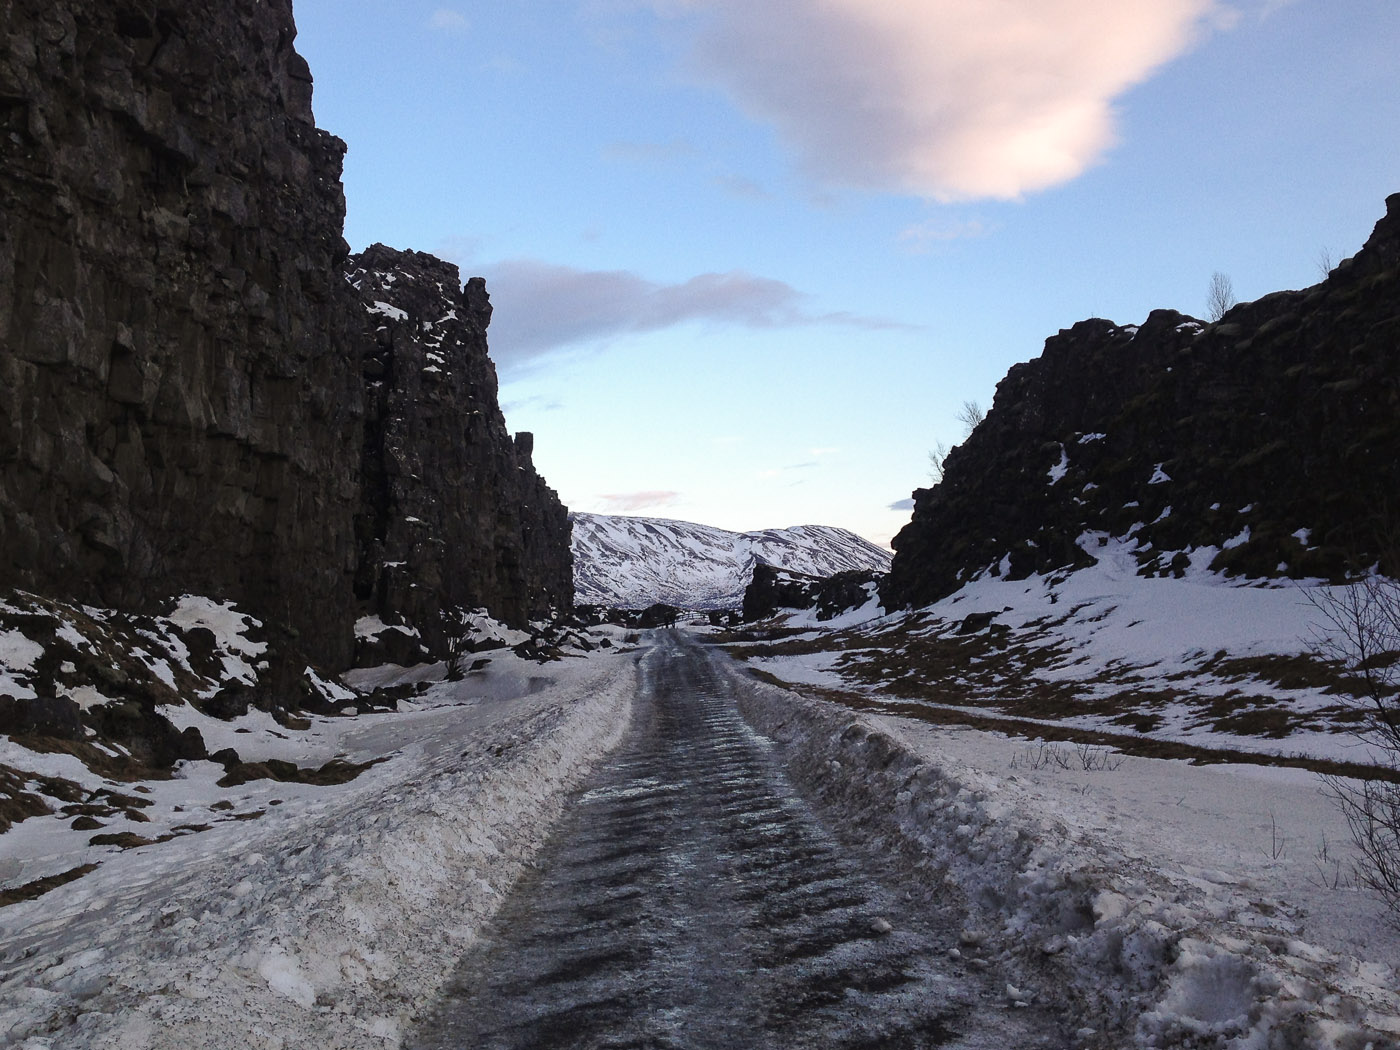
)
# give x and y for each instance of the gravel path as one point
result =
(692, 899)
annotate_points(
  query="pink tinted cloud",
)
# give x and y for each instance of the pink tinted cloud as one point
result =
(946, 99)
(631, 502)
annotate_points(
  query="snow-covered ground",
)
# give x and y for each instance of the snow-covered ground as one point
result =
(1164, 904)
(327, 916)
(1202, 660)
(1167, 905)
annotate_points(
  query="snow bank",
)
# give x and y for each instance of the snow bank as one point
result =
(1145, 952)
(331, 924)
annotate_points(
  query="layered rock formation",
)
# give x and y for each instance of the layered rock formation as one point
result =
(183, 362)
(452, 513)
(179, 359)
(1272, 436)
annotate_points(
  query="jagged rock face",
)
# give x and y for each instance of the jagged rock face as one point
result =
(1273, 435)
(179, 355)
(453, 514)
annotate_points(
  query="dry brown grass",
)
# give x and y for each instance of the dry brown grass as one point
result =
(1007, 673)
(1143, 746)
(31, 890)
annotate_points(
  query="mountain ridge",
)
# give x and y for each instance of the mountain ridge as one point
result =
(633, 562)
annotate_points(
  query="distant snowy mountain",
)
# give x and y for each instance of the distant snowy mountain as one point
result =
(631, 563)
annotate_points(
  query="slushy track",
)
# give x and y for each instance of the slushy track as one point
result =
(691, 899)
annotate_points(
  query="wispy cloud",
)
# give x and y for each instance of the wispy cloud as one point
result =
(941, 98)
(903, 504)
(925, 236)
(542, 307)
(446, 20)
(631, 502)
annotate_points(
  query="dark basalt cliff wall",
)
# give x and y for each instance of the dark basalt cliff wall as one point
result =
(1273, 435)
(182, 361)
(179, 362)
(453, 514)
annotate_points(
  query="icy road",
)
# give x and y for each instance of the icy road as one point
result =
(691, 899)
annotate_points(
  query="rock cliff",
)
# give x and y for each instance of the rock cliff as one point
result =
(180, 362)
(1265, 444)
(184, 364)
(452, 513)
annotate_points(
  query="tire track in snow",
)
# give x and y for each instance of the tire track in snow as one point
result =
(691, 899)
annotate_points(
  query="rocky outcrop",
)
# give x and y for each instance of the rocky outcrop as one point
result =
(186, 369)
(452, 513)
(180, 359)
(773, 590)
(1265, 444)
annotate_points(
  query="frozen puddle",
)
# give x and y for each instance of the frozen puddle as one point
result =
(691, 899)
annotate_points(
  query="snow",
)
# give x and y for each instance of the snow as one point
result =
(1238, 540)
(1159, 476)
(228, 625)
(628, 562)
(868, 610)
(1174, 905)
(482, 628)
(17, 652)
(1106, 630)
(1058, 471)
(1170, 902)
(389, 310)
(331, 919)
(373, 626)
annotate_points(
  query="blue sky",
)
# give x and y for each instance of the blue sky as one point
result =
(748, 260)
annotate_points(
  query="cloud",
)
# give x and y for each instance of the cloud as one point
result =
(446, 20)
(631, 502)
(542, 307)
(903, 504)
(924, 236)
(942, 98)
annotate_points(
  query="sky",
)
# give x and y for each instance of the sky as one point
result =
(748, 260)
